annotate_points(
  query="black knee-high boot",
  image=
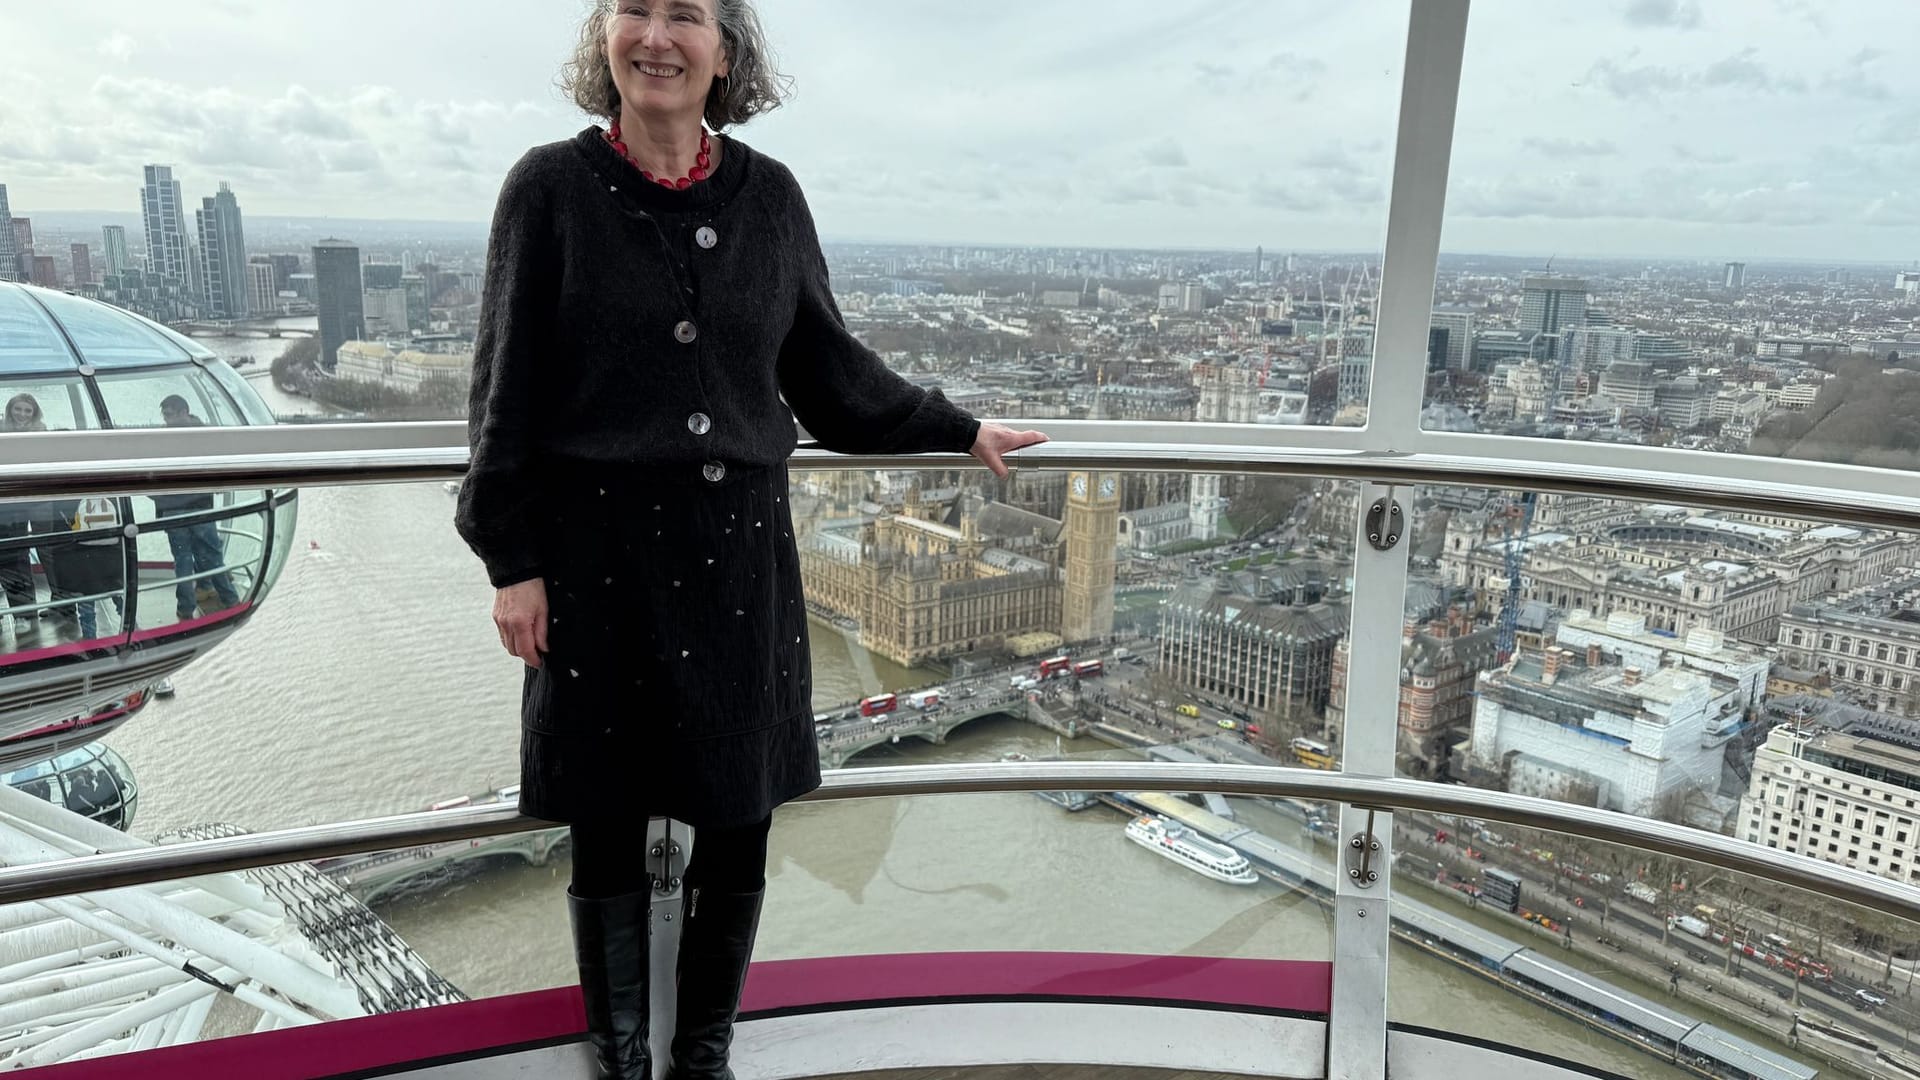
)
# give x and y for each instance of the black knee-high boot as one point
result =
(716, 942)
(610, 945)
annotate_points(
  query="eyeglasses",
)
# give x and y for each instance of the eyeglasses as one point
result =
(680, 21)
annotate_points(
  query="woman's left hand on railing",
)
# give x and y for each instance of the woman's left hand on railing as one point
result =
(997, 439)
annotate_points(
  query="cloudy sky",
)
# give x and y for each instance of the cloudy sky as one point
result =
(1709, 128)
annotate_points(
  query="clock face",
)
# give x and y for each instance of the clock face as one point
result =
(1106, 487)
(1080, 485)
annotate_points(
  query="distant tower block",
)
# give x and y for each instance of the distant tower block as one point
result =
(1203, 505)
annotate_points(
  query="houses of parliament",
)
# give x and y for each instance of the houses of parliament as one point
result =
(948, 573)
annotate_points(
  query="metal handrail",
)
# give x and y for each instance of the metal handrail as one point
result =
(67, 877)
(1857, 506)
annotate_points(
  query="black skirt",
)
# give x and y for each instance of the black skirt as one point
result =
(677, 680)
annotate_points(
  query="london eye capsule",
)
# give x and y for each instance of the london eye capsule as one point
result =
(102, 597)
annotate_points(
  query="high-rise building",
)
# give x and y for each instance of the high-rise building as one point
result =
(196, 273)
(384, 313)
(1259, 262)
(9, 255)
(82, 266)
(165, 217)
(223, 249)
(43, 272)
(1457, 324)
(336, 275)
(1549, 303)
(23, 247)
(380, 276)
(262, 297)
(418, 309)
(114, 246)
(1736, 275)
(284, 267)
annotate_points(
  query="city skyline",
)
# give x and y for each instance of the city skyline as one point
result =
(1265, 125)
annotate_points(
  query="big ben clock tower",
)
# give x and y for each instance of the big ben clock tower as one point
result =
(1093, 528)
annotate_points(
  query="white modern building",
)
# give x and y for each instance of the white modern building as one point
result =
(1570, 725)
(1623, 638)
(1839, 796)
(406, 369)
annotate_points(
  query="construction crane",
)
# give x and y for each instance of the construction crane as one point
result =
(1516, 550)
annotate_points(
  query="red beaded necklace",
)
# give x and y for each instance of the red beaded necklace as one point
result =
(701, 163)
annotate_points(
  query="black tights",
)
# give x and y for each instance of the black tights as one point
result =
(611, 860)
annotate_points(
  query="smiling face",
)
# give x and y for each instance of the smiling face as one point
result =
(664, 55)
(22, 412)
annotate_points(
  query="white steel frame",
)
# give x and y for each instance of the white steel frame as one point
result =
(1357, 1040)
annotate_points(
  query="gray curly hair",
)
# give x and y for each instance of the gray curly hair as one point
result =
(752, 85)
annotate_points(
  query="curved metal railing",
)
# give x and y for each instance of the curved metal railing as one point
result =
(276, 457)
(67, 877)
(73, 463)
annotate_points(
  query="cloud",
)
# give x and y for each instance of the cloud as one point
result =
(303, 114)
(1624, 82)
(1334, 162)
(1665, 195)
(1165, 154)
(1702, 156)
(1309, 67)
(118, 48)
(1895, 208)
(1891, 129)
(1853, 84)
(1741, 70)
(1286, 195)
(1566, 148)
(1680, 14)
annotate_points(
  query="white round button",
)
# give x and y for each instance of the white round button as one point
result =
(705, 237)
(714, 471)
(699, 423)
(684, 332)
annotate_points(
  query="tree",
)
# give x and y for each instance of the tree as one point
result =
(296, 367)
(1266, 501)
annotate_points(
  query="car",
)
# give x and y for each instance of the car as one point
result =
(968, 692)
(1868, 998)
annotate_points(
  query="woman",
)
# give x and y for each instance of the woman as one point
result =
(16, 566)
(653, 291)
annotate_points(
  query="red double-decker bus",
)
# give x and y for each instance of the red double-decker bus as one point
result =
(879, 703)
(1089, 669)
(1057, 665)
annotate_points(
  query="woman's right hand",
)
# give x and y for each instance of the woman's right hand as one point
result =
(520, 614)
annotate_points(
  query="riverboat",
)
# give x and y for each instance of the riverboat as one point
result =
(1204, 857)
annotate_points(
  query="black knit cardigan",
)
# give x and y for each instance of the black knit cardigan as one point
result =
(626, 325)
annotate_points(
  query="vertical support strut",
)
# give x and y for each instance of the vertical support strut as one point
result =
(1363, 898)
